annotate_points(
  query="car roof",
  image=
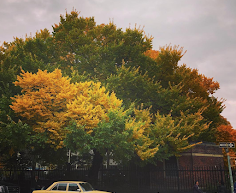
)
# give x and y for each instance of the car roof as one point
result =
(57, 182)
(70, 182)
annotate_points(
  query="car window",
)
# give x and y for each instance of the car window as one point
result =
(73, 187)
(60, 187)
(55, 187)
(86, 187)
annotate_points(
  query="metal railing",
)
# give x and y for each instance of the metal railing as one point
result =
(136, 179)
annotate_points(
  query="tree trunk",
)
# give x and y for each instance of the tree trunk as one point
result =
(96, 164)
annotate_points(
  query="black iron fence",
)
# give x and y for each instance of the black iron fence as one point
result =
(129, 179)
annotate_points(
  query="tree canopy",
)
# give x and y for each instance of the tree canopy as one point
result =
(101, 84)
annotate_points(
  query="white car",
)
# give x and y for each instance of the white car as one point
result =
(69, 186)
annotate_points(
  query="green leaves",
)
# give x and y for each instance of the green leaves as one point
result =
(110, 137)
(131, 86)
(13, 136)
(77, 139)
(113, 137)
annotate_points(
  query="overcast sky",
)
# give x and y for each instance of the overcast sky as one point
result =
(205, 28)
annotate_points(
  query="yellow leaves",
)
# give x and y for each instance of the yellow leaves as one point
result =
(42, 80)
(84, 112)
(49, 101)
(44, 34)
(141, 126)
(135, 127)
(91, 105)
(97, 95)
(188, 146)
(145, 147)
(167, 136)
(144, 115)
(175, 50)
(114, 102)
(145, 151)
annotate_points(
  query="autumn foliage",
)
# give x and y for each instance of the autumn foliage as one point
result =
(101, 86)
(49, 101)
(226, 133)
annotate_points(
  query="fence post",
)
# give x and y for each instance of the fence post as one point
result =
(230, 171)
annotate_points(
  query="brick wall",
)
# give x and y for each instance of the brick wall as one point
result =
(205, 154)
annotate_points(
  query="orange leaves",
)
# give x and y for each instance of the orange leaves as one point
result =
(68, 58)
(152, 54)
(43, 93)
(194, 83)
(43, 101)
(225, 133)
(210, 85)
(49, 101)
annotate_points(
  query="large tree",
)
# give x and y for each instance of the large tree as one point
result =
(82, 116)
(120, 60)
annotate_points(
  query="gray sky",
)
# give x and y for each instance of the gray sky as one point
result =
(205, 28)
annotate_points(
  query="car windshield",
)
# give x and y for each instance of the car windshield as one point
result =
(86, 187)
